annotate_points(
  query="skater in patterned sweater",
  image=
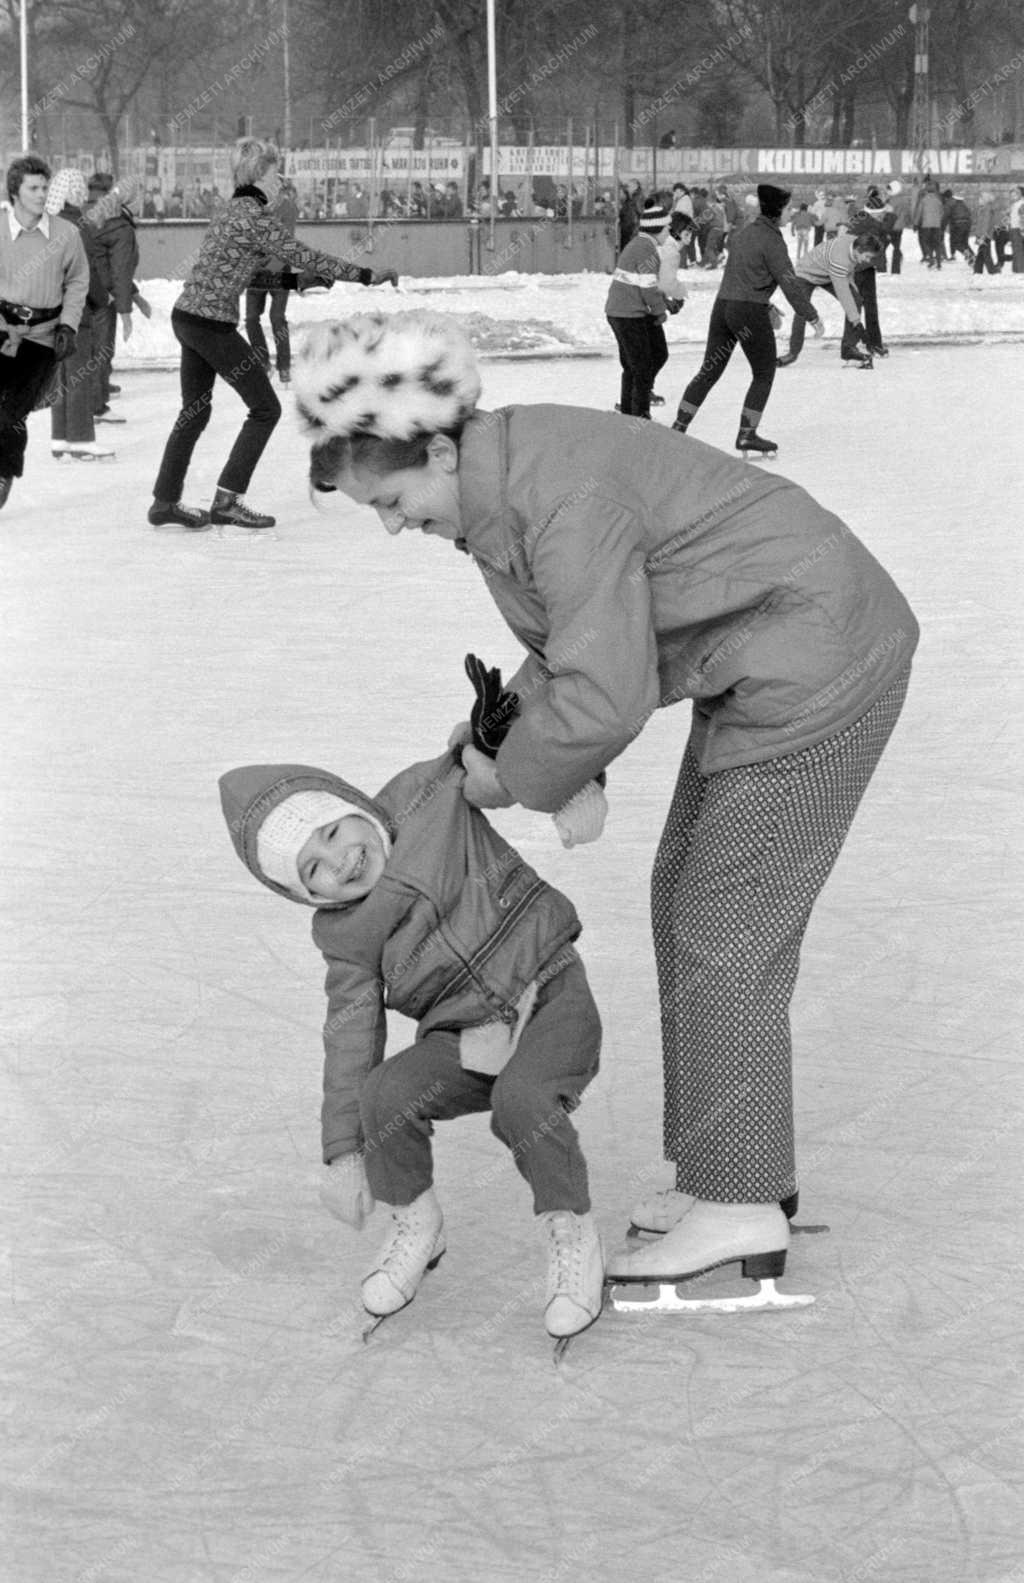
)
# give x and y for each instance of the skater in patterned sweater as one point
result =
(422, 908)
(638, 571)
(205, 321)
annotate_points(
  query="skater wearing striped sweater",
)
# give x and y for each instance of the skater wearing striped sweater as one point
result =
(638, 572)
(831, 266)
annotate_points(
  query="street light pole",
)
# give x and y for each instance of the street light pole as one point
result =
(920, 16)
(23, 42)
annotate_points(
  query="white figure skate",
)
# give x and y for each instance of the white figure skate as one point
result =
(415, 1243)
(707, 1237)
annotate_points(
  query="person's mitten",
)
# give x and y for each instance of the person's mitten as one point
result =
(673, 304)
(345, 1192)
(63, 343)
(582, 818)
(494, 709)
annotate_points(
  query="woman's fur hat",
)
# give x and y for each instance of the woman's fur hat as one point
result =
(392, 375)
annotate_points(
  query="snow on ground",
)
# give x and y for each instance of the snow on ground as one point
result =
(190, 1399)
(563, 312)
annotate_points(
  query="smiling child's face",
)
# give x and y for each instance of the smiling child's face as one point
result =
(342, 860)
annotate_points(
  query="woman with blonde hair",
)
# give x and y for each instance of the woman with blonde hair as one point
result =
(205, 322)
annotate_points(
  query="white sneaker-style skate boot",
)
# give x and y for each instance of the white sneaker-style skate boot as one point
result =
(575, 1286)
(415, 1244)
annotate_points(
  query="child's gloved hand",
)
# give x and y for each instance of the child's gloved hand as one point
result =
(494, 709)
(345, 1192)
(582, 818)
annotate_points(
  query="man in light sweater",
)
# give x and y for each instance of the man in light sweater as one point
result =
(831, 266)
(44, 278)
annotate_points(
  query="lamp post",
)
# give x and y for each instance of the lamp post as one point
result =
(492, 114)
(920, 15)
(23, 44)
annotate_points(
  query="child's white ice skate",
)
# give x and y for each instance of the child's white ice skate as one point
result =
(415, 1243)
(575, 1284)
(706, 1237)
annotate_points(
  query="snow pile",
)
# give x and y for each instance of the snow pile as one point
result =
(563, 313)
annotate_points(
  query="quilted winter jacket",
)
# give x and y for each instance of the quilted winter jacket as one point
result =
(640, 568)
(453, 933)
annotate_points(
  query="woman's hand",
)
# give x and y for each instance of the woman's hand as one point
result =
(482, 787)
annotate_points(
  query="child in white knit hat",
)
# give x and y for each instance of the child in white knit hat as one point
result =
(424, 909)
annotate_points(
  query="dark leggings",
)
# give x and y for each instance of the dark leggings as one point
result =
(206, 351)
(255, 299)
(848, 345)
(747, 323)
(643, 351)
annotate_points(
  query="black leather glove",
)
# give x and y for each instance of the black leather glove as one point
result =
(64, 342)
(494, 709)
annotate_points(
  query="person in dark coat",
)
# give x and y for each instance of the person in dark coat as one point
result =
(638, 571)
(742, 315)
(117, 257)
(272, 281)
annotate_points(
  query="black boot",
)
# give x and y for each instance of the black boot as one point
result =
(786, 360)
(164, 512)
(228, 508)
(878, 350)
(751, 444)
(683, 421)
(858, 359)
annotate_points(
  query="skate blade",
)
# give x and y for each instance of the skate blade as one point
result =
(759, 456)
(668, 1300)
(637, 1233)
(563, 1343)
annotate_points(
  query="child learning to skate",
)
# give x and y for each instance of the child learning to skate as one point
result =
(421, 907)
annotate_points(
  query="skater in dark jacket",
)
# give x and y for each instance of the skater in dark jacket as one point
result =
(118, 260)
(743, 315)
(638, 571)
(423, 909)
(205, 322)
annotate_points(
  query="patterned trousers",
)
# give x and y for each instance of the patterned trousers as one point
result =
(742, 859)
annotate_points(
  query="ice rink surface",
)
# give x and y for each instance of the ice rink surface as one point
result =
(189, 1397)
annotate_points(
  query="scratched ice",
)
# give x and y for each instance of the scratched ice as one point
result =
(190, 1398)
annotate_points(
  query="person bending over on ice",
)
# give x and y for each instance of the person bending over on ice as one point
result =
(205, 321)
(832, 265)
(422, 908)
(637, 572)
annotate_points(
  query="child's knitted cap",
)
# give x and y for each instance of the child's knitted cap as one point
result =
(287, 828)
(654, 217)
